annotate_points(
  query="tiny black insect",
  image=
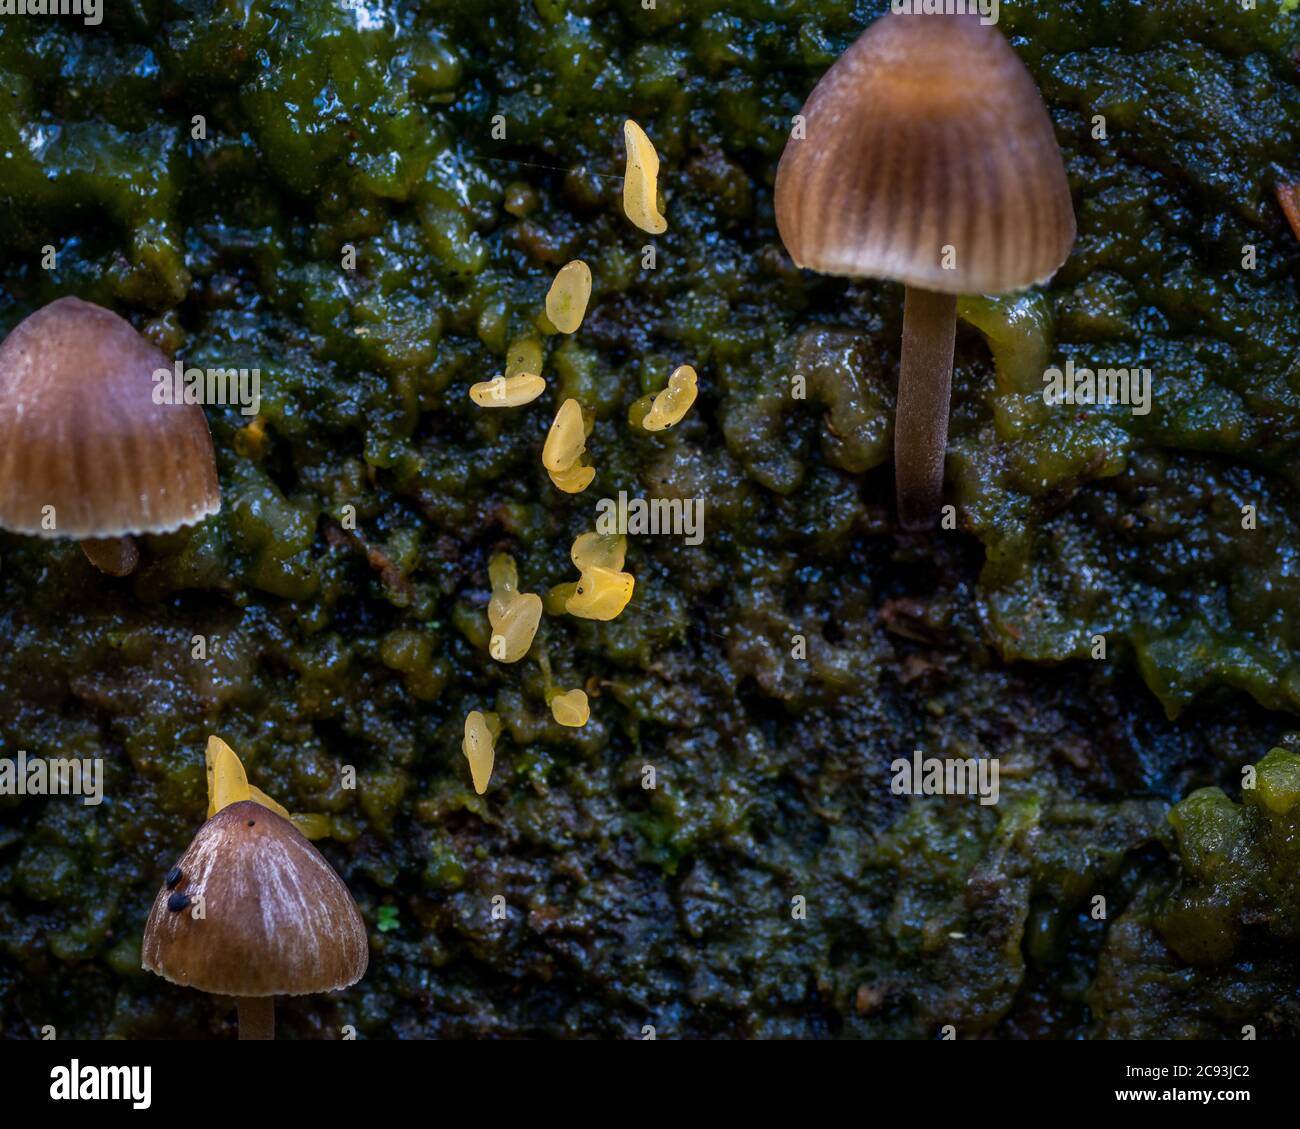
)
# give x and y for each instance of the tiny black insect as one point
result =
(177, 902)
(173, 876)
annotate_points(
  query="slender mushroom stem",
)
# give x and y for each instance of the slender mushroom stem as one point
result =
(116, 556)
(256, 1017)
(924, 390)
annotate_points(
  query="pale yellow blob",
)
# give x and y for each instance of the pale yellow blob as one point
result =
(556, 600)
(514, 615)
(672, 404)
(479, 747)
(641, 181)
(258, 796)
(574, 480)
(599, 550)
(313, 825)
(601, 594)
(566, 301)
(508, 391)
(229, 783)
(571, 709)
(567, 438)
(514, 628)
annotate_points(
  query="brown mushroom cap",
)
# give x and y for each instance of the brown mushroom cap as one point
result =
(278, 919)
(927, 132)
(79, 431)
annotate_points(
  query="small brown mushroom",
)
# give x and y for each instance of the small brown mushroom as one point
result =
(275, 920)
(926, 157)
(85, 452)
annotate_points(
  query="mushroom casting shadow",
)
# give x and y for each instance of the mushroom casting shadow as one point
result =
(276, 919)
(927, 157)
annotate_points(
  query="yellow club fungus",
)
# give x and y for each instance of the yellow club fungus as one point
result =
(228, 784)
(602, 593)
(514, 615)
(599, 550)
(571, 709)
(567, 438)
(566, 301)
(508, 391)
(574, 480)
(641, 181)
(672, 404)
(479, 747)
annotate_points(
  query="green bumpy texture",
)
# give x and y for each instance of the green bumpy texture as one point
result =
(205, 169)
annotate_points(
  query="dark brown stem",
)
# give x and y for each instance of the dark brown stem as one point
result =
(924, 389)
(256, 1017)
(117, 556)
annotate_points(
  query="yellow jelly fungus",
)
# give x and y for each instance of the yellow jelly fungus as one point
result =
(479, 747)
(556, 600)
(313, 824)
(229, 782)
(571, 709)
(599, 550)
(525, 355)
(574, 480)
(256, 794)
(566, 439)
(641, 181)
(513, 629)
(250, 441)
(508, 391)
(601, 594)
(566, 301)
(503, 574)
(674, 401)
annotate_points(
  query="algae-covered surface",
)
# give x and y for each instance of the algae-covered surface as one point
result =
(328, 126)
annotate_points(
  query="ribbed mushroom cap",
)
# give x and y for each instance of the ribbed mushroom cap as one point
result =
(278, 919)
(927, 132)
(79, 431)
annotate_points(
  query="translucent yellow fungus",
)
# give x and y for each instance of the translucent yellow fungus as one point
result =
(566, 301)
(250, 441)
(524, 355)
(567, 438)
(479, 747)
(571, 709)
(514, 628)
(556, 600)
(508, 391)
(574, 480)
(641, 181)
(514, 615)
(674, 401)
(599, 550)
(601, 593)
(312, 824)
(229, 782)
